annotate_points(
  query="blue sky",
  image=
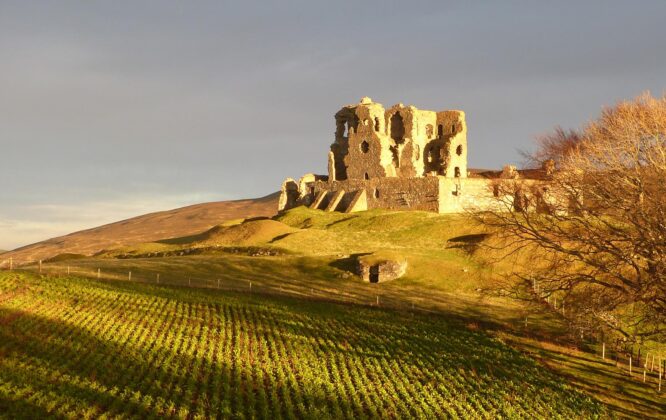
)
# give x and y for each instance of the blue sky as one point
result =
(113, 109)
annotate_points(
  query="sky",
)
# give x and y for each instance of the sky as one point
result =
(110, 110)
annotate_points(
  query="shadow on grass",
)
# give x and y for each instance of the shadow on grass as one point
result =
(349, 264)
(626, 396)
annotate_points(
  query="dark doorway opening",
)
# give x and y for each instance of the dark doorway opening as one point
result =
(374, 274)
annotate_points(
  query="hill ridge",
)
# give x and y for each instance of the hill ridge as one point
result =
(182, 221)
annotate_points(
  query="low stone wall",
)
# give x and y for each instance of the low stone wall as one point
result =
(433, 193)
(460, 195)
(390, 193)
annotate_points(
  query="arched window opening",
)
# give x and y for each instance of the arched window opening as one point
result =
(376, 193)
(376, 124)
(456, 172)
(341, 128)
(459, 150)
(365, 146)
(453, 129)
(351, 129)
(397, 128)
(366, 176)
(440, 130)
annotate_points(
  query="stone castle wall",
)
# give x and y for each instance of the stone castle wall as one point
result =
(386, 193)
(400, 158)
(402, 141)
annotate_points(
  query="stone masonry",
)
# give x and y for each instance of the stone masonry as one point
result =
(400, 158)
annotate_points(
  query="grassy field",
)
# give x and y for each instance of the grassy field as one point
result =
(310, 256)
(82, 348)
(311, 253)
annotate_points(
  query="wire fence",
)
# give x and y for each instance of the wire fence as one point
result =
(362, 295)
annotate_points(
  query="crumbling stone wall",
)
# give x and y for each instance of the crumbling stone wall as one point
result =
(289, 195)
(403, 141)
(387, 193)
(400, 158)
(381, 271)
(452, 135)
(460, 195)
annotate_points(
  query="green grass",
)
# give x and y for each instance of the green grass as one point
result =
(316, 253)
(77, 348)
(450, 289)
(624, 393)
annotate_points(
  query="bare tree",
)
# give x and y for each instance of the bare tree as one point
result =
(554, 146)
(592, 234)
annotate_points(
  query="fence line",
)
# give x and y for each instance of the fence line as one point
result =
(333, 295)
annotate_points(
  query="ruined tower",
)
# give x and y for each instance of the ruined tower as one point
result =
(400, 158)
(403, 142)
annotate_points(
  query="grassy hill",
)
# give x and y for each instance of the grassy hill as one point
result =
(310, 256)
(150, 227)
(313, 253)
(73, 347)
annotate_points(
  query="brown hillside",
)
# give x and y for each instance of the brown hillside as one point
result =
(150, 227)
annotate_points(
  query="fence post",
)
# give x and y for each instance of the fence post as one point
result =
(629, 365)
(218, 283)
(250, 286)
(40, 266)
(129, 276)
(158, 278)
(11, 263)
(377, 300)
(603, 351)
(68, 270)
(189, 281)
(99, 272)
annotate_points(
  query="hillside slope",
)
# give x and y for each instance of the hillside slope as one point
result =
(150, 227)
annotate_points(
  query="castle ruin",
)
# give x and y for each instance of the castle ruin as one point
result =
(400, 158)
